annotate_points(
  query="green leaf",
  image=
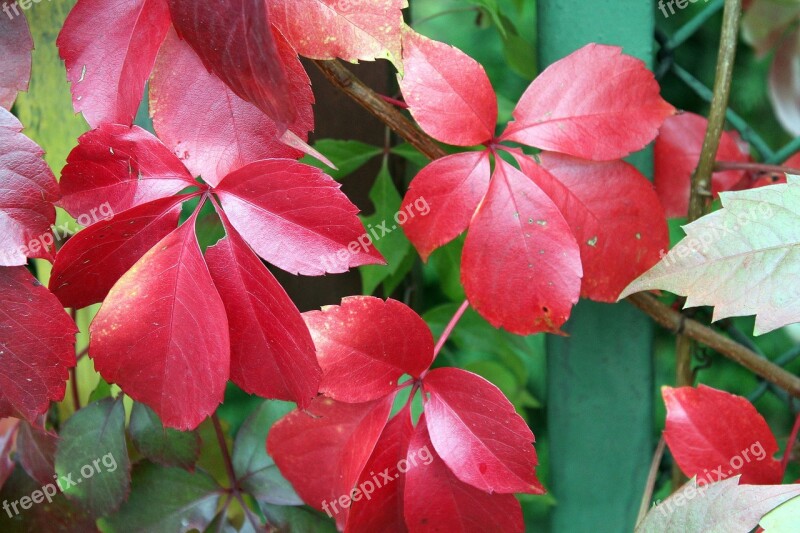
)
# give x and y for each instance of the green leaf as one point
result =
(491, 8)
(384, 230)
(520, 55)
(348, 156)
(100, 392)
(722, 507)
(92, 457)
(167, 447)
(256, 470)
(783, 519)
(445, 265)
(166, 499)
(298, 519)
(410, 154)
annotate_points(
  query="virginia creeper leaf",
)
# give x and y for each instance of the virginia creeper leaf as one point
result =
(744, 258)
(272, 354)
(765, 22)
(91, 262)
(256, 470)
(16, 45)
(710, 432)
(166, 499)
(122, 167)
(322, 450)
(27, 192)
(448, 93)
(436, 500)
(597, 103)
(234, 40)
(477, 432)
(173, 352)
(295, 217)
(37, 346)
(230, 132)
(92, 453)
(161, 445)
(36, 451)
(519, 246)
(614, 214)
(453, 187)
(366, 344)
(109, 49)
(380, 508)
(723, 507)
(353, 31)
(677, 152)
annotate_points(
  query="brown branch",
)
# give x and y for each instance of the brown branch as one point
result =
(662, 314)
(755, 167)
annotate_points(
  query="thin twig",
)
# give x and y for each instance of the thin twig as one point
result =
(76, 395)
(755, 167)
(787, 454)
(663, 314)
(651, 479)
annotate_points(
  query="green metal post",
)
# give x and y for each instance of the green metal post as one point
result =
(600, 378)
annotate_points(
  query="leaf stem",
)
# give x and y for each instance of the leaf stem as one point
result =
(76, 396)
(660, 313)
(235, 490)
(755, 167)
(787, 454)
(450, 327)
(651, 479)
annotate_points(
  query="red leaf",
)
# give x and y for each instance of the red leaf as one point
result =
(379, 507)
(715, 435)
(121, 166)
(596, 103)
(16, 45)
(295, 217)
(26, 196)
(230, 132)
(613, 212)
(162, 333)
(521, 265)
(272, 354)
(452, 186)
(477, 432)
(447, 92)
(322, 451)
(352, 30)
(234, 40)
(435, 499)
(91, 262)
(365, 345)
(109, 49)
(36, 450)
(37, 346)
(677, 153)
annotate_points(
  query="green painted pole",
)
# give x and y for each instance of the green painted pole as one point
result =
(600, 378)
